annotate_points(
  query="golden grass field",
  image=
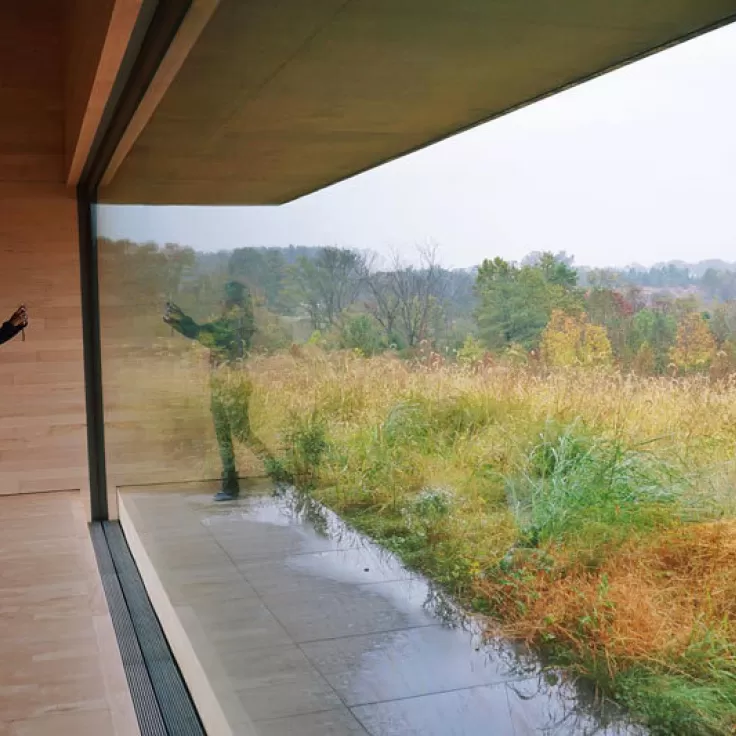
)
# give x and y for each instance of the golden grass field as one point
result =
(586, 512)
(618, 553)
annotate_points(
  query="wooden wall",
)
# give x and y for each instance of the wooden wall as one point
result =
(42, 413)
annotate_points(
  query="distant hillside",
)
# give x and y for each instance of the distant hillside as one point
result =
(696, 269)
(291, 254)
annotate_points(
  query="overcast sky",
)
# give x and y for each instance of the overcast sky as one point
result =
(636, 166)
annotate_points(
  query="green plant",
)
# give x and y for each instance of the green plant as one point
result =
(427, 514)
(591, 493)
(363, 334)
(672, 704)
(471, 351)
(277, 470)
(306, 443)
(315, 338)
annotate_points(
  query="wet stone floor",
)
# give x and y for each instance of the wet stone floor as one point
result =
(304, 627)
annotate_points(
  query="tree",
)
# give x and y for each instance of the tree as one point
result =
(142, 275)
(718, 284)
(667, 276)
(613, 311)
(409, 300)
(603, 278)
(384, 304)
(560, 340)
(695, 346)
(644, 360)
(420, 293)
(363, 334)
(515, 303)
(471, 351)
(329, 284)
(723, 322)
(266, 272)
(657, 329)
(557, 271)
(177, 261)
(536, 258)
(570, 340)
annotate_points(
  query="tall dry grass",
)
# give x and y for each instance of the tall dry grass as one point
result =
(584, 511)
(587, 511)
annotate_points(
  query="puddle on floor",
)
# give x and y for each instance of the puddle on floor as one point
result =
(539, 700)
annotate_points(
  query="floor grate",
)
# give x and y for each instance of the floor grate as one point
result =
(160, 697)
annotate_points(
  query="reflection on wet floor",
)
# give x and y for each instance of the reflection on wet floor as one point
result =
(305, 627)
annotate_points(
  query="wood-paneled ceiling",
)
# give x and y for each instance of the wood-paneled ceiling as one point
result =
(278, 98)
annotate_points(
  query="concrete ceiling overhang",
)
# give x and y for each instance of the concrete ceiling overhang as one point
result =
(278, 98)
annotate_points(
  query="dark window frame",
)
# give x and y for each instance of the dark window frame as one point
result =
(157, 24)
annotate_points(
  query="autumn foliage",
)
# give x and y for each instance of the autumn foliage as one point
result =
(570, 340)
(695, 347)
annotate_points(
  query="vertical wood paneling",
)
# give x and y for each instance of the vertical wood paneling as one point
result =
(42, 412)
(31, 91)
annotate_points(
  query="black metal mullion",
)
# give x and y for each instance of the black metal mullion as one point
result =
(160, 697)
(92, 357)
(157, 24)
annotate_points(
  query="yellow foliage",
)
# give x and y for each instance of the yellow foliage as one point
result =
(695, 347)
(570, 340)
(595, 348)
(644, 360)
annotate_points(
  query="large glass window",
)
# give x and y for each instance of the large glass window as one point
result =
(154, 387)
(175, 324)
(531, 421)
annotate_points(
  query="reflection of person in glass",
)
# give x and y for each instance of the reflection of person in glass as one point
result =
(229, 339)
(17, 323)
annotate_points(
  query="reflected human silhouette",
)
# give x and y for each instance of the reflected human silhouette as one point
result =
(229, 340)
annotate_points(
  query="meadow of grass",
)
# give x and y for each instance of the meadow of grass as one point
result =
(585, 512)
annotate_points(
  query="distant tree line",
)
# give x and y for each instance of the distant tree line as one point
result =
(714, 280)
(542, 309)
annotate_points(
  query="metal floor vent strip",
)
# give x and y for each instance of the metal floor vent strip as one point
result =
(160, 697)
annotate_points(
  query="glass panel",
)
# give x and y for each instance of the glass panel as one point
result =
(549, 443)
(213, 360)
(174, 324)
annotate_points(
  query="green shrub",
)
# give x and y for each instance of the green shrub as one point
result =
(590, 492)
(471, 351)
(306, 443)
(363, 334)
